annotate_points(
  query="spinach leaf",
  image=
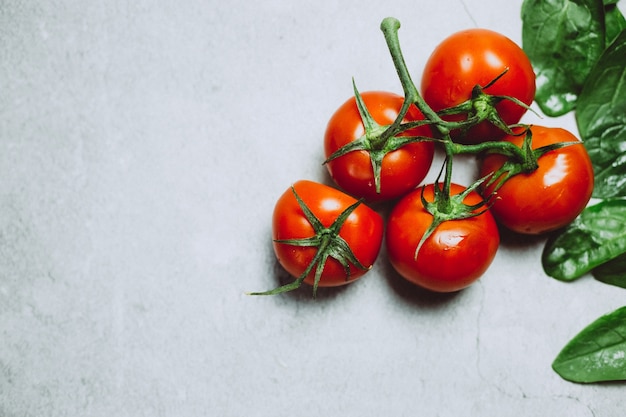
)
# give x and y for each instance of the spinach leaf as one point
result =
(615, 21)
(612, 272)
(595, 237)
(601, 120)
(563, 39)
(597, 353)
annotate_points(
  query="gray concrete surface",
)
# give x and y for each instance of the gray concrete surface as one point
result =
(142, 147)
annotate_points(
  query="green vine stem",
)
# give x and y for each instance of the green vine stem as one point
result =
(379, 140)
(390, 27)
(523, 156)
(481, 107)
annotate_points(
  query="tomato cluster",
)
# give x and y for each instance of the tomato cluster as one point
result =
(442, 236)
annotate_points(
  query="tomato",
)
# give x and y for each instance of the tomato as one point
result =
(551, 196)
(454, 256)
(402, 170)
(477, 57)
(362, 231)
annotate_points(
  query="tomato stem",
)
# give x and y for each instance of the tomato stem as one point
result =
(379, 140)
(443, 200)
(500, 147)
(389, 27)
(480, 107)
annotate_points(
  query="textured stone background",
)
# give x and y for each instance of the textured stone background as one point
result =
(142, 147)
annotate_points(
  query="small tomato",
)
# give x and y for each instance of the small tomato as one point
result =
(361, 232)
(549, 197)
(402, 169)
(454, 256)
(477, 57)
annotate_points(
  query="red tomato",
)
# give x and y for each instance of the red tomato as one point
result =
(476, 57)
(362, 230)
(402, 169)
(454, 256)
(549, 197)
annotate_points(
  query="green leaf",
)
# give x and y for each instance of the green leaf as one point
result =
(601, 120)
(597, 353)
(597, 236)
(612, 272)
(615, 21)
(563, 39)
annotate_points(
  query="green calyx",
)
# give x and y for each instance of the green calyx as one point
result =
(328, 243)
(447, 207)
(523, 162)
(481, 107)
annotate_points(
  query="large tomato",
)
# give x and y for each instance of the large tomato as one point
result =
(454, 256)
(402, 169)
(551, 196)
(476, 57)
(362, 231)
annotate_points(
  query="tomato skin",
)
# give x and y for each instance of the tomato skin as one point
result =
(476, 57)
(362, 230)
(402, 169)
(551, 196)
(453, 257)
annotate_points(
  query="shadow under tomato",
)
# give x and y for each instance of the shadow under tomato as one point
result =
(413, 294)
(513, 240)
